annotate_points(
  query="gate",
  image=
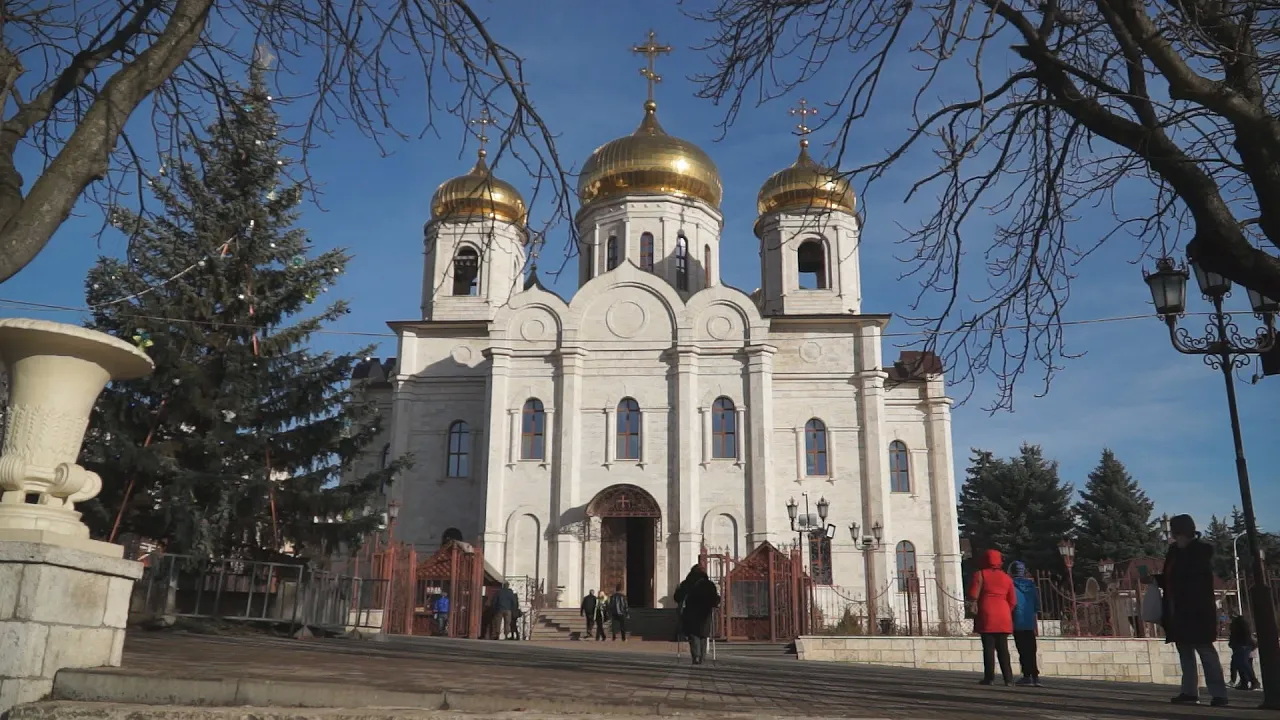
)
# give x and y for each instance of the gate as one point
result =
(764, 597)
(456, 570)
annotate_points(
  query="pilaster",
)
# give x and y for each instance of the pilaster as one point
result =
(761, 494)
(688, 468)
(942, 495)
(566, 554)
(871, 395)
(496, 392)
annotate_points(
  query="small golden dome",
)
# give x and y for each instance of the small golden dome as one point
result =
(805, 185)
(649, 161)
(478, 194)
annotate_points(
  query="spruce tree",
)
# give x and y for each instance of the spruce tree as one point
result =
(1218, 534)
(1113, 518)
(235, 446)
(1018, 506)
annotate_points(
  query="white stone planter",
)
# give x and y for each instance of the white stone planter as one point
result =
(56, 373)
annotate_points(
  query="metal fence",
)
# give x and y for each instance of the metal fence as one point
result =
(258, 591)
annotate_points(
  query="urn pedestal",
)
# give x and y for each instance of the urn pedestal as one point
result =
(64, 597)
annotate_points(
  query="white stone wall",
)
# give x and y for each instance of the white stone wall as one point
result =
(1114, 659)
(59, 608)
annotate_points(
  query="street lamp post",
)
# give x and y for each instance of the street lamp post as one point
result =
(800, 526)
(389, 563)
(867, 544)
(1235, 559)
(1224, 348)
(1067, 548)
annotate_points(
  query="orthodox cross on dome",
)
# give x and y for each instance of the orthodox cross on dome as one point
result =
(484, 121)
(651, 50)
(802, 128)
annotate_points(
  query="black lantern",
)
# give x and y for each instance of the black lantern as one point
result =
(1168, 287)
(393, 510)
(853, 531)
(1106, 565)
(1067, 548)
(823, 507)
(1211, 283)
(792, 508)
(876, 531)
(1262, 304)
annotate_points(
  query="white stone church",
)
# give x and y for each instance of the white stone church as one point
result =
(607, 437)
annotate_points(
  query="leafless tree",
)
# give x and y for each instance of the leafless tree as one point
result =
(74, 76)
(1037, 113)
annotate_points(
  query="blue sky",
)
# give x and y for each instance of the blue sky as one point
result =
(1163, 413)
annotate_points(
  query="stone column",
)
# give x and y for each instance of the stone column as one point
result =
(685, 522)
(761, 494)
(942, 494)
(496, 392)
(566, 477)
(870, 383)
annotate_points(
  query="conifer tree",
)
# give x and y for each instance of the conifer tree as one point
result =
(1218, 534)
(1018, 506)
(236, 445)
(1113, 518)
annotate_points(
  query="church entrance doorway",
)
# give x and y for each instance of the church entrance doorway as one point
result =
(628, 541)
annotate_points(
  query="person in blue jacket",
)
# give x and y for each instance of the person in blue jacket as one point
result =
(1024, 623)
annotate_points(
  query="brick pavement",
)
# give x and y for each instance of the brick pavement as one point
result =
(600, 675)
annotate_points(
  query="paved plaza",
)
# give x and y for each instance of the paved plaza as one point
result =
(583, 677)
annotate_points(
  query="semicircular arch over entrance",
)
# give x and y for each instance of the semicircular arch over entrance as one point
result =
(622, 501)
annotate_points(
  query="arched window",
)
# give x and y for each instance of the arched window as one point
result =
(682, 262)
(724, 429)
(646, 251)
(706, 266)
(899, 467)
(906, 554)
(453, 534)
(533, 431)
(612, 252)
(459, 465)
(811, 265)
(815, 448)
(628, 429)
(466, 271)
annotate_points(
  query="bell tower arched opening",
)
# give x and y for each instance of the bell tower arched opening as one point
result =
(629, 519)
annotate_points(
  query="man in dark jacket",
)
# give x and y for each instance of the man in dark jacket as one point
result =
(1190, 612)
(697, 597)
(619, 612)
(588, 611)
(504, 607)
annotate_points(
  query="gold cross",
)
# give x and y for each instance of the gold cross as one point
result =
(652, 50)
(804, 110)
(483, 121)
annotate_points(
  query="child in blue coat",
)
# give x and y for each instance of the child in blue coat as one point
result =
(1024, 623)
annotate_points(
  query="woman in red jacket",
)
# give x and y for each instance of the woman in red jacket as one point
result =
(992, 594)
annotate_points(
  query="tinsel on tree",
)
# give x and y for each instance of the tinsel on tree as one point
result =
(1113, 518)
(1018, 506)
(242, 441)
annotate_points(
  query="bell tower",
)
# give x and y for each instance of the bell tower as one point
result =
(474, 243)
(809, 237)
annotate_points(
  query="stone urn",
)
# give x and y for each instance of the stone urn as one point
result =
(56, 372)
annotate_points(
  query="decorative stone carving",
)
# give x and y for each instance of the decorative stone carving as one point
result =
(56, 373)
(626, 318)
(720, 327)
(811, 351)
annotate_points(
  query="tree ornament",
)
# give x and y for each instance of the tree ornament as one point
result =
(240, 295)
(200, 264)
(298, 261)
(142, 339)
(96, 286)
(177, 381)
(228, 415)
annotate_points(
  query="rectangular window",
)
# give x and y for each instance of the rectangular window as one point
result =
(820, 557)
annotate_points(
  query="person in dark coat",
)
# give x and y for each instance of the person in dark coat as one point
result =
(1190, 615)
(588, 611)
(698, 598)
(994, 598)
(505, 607)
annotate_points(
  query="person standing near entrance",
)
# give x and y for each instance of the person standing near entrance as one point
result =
(588, 611)
(1024, 624)
(441, 610)
(601, 614)
(619, 612)
(1190, 612)
(697, 597)
(991, 591)
(505, 607)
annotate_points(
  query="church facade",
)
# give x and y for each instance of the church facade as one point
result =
(606, 438)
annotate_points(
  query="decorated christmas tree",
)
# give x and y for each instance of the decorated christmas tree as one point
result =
(241, 443)
(1114, 518)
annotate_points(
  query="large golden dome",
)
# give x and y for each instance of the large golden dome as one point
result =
(649, 161)
(478, 194)
(804, 185)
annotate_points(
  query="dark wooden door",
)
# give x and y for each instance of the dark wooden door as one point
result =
(613, 553)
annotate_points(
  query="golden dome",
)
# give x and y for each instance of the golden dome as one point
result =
(478, 194)
(649, 161)
(806, 184)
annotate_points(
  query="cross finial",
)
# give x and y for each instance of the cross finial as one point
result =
(802, 128)
(651, 49)
(483, 121)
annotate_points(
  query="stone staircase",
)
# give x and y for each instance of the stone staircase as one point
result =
(567, 624)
